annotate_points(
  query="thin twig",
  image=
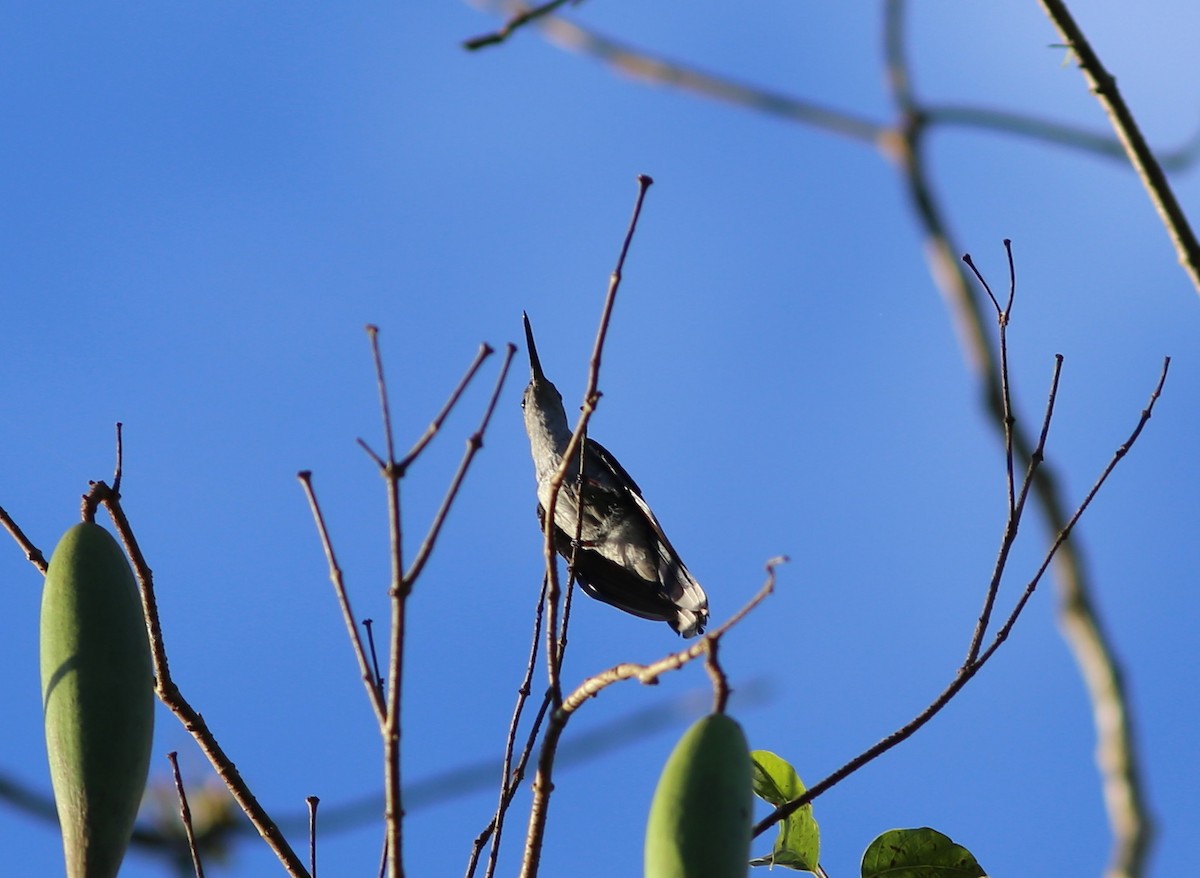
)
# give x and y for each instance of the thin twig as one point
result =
(312, 802)
(120, 465)
(648, 674)
(381, 388)
(1012, 524)
(514, 23)
(968, 671)
(185, 815)
(1104, 86)
(32, 552)
(720, 682)
(496, 828)
(485, 351)
(369, 626)
(1003, 316)
(369, 677)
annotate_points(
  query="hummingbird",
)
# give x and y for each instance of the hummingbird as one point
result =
(623, 557)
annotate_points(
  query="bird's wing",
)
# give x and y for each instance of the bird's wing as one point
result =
(677, 581)
(609, 462)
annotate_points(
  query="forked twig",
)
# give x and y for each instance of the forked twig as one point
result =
(402, 583)
(967, 671)
(485, 351)
(474, 443)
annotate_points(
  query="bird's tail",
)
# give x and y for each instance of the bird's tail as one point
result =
(691, 603)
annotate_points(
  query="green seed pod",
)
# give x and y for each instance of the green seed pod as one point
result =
(700, 819)
(97, 698)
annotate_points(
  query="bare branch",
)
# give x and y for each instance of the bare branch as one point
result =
(591, 397)
(1053, 133)
(381, 385)
(645, 65)
(1012, 525)
(515, 22)
(1081, 628)
(495, 828)
(185, 815)
(169, 694)
(32, 552)
(968, 671)
(1104, 86)
(485, 351)
(646, 674)
(369, 676)
(312, 802)
(116, 485)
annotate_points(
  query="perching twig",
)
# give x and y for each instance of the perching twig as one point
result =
(590, 397)
(645, 674)
(508, 782)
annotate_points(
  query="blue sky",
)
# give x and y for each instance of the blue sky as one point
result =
(205, 204)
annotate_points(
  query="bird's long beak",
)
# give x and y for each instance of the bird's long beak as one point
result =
(535, 365)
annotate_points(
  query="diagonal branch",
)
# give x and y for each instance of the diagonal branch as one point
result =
(659, 70)
(169, 694)
(474, 443)
(1104, 86)
(969, 670)
(369, 674)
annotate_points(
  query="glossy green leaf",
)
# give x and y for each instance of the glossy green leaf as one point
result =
(798, 843)
(918, 853)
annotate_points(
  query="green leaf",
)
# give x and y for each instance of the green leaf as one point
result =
(798, 844)
(918, 853)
